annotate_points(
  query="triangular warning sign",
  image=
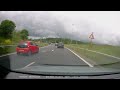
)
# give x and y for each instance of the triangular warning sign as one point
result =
(91, 36)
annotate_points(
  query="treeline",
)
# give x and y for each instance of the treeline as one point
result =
(56, 40)
(9, 34)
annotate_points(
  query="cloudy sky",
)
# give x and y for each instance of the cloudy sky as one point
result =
(69, 24)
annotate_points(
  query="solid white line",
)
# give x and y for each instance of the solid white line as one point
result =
(8, 54)
(28, 65)
(101, 53)
(80, 58)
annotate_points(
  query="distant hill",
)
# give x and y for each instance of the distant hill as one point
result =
(64, 40)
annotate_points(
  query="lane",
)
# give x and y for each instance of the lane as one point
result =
(16, 61)
(53, 55)
(81, 58)
(47, 55)
(21, 61)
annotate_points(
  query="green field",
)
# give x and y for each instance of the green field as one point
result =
(42, 44)
(6, 50)
(95, 58)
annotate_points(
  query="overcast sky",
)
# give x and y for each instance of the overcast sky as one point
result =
(70, 24)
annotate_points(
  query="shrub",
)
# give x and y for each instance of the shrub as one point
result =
(8, 41)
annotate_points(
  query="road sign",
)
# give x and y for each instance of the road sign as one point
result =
(91, 36)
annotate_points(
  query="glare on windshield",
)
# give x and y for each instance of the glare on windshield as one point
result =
(78, 40)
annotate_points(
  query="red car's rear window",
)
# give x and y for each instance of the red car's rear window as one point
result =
(22, 45)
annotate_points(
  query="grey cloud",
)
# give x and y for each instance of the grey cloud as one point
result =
(54, 24)
(42, 24)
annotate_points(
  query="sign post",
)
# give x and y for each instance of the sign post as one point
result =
(91, 38)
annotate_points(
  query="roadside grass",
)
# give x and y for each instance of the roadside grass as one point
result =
(7, 50)
(95, 58)
(42, 44)
(107, 49)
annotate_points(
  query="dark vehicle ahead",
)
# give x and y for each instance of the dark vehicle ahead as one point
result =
(27, 47)
(60, 45)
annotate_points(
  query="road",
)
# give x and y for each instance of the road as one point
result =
(47, 55)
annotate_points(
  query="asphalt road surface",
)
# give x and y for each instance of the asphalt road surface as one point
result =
(47, 55)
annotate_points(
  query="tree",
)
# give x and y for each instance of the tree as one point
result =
(6, 28)
(24, 34)
(16, 36)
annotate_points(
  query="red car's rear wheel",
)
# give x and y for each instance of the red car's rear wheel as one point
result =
(29, 53)
(38, 51)
(18, 53)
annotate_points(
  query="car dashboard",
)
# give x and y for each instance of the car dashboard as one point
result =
(13, 75)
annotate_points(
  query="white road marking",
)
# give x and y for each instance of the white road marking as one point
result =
(101, 53)
(25, 66)
(8, 54)
(80, 58)
(52, 50)
(28, 65)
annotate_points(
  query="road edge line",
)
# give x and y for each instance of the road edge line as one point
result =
(8, 54)
(80, 57)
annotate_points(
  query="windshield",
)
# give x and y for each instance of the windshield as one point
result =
(59, 42)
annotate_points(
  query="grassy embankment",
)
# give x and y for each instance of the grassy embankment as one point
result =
(95, 58)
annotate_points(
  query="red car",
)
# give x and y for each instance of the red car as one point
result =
(27, 47)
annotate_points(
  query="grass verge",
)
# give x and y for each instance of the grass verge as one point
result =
(95, 58)
(42, 44)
